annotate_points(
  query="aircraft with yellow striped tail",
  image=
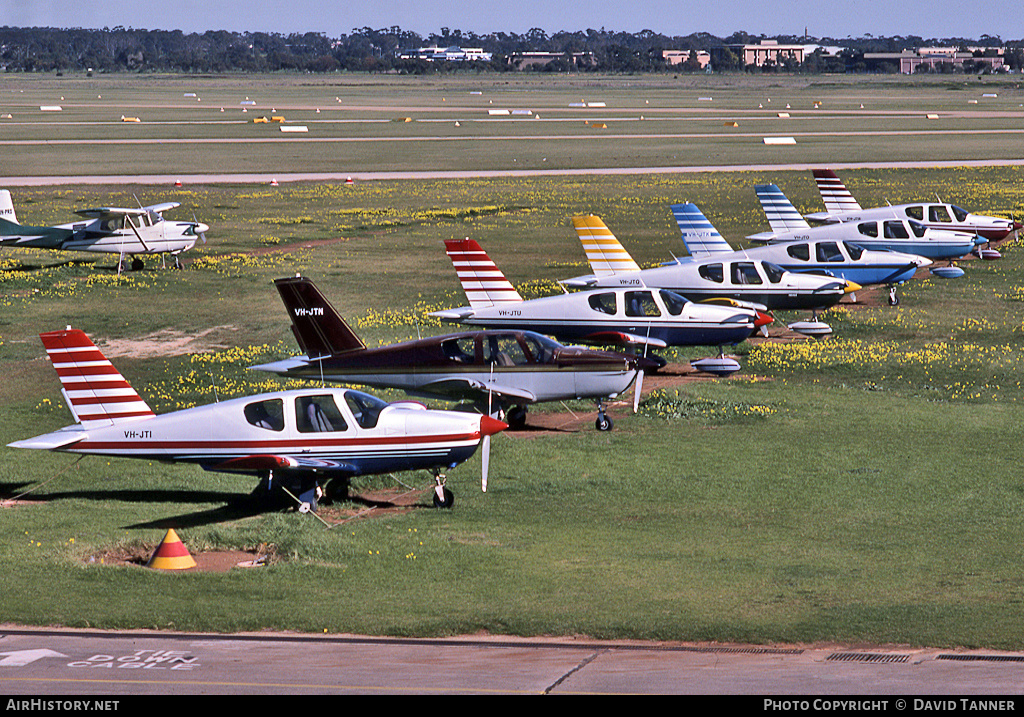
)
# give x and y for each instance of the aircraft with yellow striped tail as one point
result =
(292, 440)
(709, 274)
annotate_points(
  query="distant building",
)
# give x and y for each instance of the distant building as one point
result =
(768, 51)
(679, 57)
(527, 60)
(446, 54)
(931, 58)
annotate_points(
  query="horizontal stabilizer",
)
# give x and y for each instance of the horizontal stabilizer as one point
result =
(52, 441)
(699, 235)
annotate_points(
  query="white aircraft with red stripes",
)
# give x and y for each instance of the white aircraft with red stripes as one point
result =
(634, 315)
(841, 206)
(292, 440)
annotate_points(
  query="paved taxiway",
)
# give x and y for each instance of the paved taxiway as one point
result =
(76, 662)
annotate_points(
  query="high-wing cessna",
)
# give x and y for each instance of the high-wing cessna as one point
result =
(635, 315)
(502, 372)
(703, 276)
(824, 256)
(290, 439)
(841, 206)
(893, 233)
(109, 230)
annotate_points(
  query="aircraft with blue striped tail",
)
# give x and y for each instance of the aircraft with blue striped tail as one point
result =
(891, 233)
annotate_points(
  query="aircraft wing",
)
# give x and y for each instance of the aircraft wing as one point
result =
(464, 387)
(623, 338)
(162, 207)
(108, 212)
(264, 462)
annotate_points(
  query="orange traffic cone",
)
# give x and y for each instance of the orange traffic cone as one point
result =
(171, 554)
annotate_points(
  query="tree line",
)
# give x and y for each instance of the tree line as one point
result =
(118, 49)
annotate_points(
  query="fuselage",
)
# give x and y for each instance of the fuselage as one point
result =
(331, 425)
(735, 277)
(468, 364)
(935, 215)
(146, 234)
(903, 235)
(843, 260)
(642, 312)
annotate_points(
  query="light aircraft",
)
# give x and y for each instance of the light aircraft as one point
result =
(294, 439)
(502, 371)
(633, 315)
(705, 276)
(841, 206)
(109, 230)
(824, 256)
(893, 233)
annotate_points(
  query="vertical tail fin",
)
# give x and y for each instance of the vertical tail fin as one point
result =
(7, 206)
(318, 328)
(604, 252)
(834, 193)
(782, 215)
(699, 235)
(96, 392)
(482, 281)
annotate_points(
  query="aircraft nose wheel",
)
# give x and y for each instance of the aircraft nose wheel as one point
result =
(443, 498)
(894, 300)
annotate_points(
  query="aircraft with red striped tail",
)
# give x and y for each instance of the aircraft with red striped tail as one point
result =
(842, 206)
(305, 442)
(630, 314)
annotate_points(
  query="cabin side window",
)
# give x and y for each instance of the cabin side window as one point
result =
(504, 351)
(641, 303)
(828, 251)
(267, 414)
(605, 303)
(868, 229)
(318, 414)
(895, 229)
(712, 272)
(459, 350)
(799, 251)
(916, 212)
(938, 213)
(744, 272)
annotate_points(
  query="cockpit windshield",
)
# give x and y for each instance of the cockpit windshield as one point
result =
(365, 408)
(853, 250)
(774, 271)
(673, 302)
(542, 348)
(960, 214)
(918, 228)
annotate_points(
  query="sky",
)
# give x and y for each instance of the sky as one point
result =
(820, 18)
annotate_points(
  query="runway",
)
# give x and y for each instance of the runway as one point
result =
(261, 178)
(42, 662)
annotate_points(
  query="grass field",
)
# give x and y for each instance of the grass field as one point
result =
(860, 489)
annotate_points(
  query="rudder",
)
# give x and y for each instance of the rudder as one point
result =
(96, 392)
(482, 281)
(604, 252)
(834, 193)
(318, 327)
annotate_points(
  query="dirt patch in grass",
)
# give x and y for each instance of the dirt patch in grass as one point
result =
(216, 561)
(170, 342)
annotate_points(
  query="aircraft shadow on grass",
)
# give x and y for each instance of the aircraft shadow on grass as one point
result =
(236, 506)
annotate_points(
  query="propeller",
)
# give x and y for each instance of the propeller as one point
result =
(202, 235)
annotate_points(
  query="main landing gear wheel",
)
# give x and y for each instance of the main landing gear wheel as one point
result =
(137, 264)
